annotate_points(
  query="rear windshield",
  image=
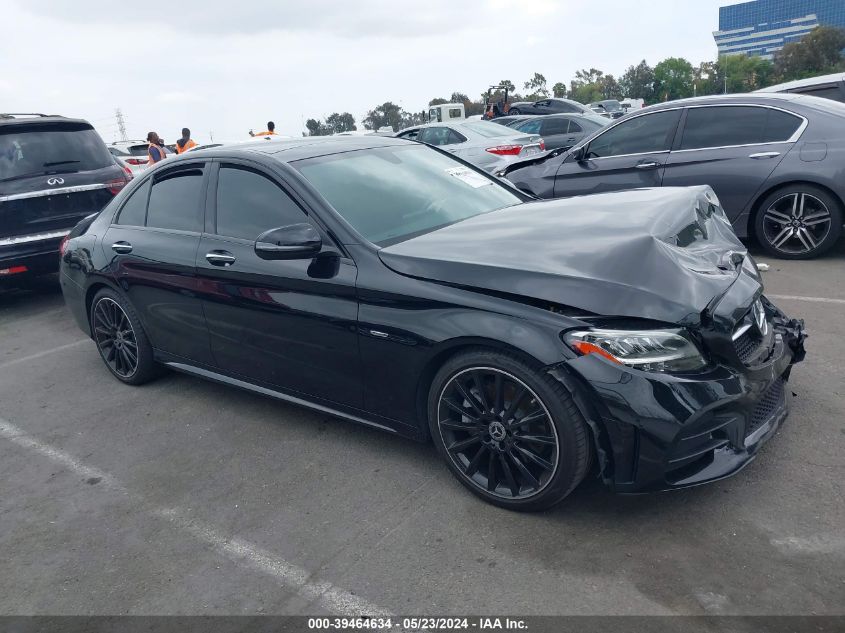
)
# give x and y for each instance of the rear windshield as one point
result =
(490, 130)
(32, 150)
(392, 194)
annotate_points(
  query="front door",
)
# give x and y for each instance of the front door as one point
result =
(152, 245)
(287, 323)
(628, 155)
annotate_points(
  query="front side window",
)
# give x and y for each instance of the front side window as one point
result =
(724, 126)
(641, 135)
(175, 200)
(390, 194)
(248, 204)
(134, 210)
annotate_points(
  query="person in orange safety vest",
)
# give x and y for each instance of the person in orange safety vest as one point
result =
(271, 130)
(186, 142)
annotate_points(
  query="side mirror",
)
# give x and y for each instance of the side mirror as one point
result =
(297, 241)
(579, 153)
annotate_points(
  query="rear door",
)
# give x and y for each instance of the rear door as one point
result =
(287, 323)
(627, 155)
(733, 149)
(152, 245)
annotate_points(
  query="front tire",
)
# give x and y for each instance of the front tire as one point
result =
(121, 340)
(798, 222)
(509, 433)
(514, 112)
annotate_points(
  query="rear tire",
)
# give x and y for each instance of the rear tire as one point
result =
(120, 338)
(509, 433)
(514, 112)
(798, 221)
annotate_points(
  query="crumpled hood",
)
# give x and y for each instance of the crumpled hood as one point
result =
(663, 254)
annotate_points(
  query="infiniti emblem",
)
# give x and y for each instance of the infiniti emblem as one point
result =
(55, 181)
(759, 313)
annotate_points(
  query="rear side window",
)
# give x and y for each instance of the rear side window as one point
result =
(248, 204)
(640, 135)
(725, 126)
(825, 92)
(440, 136)
(574, 128)
(175, 200)
(61, 148)
(134, 210)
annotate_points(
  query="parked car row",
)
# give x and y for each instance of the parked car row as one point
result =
(775, 161)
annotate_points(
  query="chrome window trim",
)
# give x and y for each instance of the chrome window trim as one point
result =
(49, 192)
(792, 139)
(34, 237)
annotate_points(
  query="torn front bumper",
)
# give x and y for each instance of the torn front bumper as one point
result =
(656, 431)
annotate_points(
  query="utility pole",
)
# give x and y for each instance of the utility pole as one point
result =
(121, 124)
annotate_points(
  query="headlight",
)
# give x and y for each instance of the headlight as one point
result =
(648, 350)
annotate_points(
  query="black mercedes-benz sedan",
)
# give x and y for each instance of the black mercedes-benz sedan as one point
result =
(394, 285)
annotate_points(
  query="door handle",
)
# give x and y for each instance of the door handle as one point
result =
(122, 247)
(649, 165)
(761, 155)
(220, 258)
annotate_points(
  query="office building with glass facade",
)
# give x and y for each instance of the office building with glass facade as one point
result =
(762, 27)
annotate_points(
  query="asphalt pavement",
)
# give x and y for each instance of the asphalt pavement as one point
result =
(187, 497)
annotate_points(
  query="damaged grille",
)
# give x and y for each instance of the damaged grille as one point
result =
(772, 399)
(745, 346)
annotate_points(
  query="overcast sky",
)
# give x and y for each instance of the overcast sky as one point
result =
(228, 67)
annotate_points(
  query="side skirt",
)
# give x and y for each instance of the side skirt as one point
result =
(227, 380)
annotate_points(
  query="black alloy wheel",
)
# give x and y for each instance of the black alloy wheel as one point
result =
(120, 339)
(501, 438)
(798, 222)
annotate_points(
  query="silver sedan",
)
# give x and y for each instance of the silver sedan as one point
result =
(490, 146)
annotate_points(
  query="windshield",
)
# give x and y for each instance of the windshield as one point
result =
(611, 106)
(390, 194)
(49, 149)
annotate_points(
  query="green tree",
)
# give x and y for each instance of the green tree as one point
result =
(507, 83)
(388, 113)
(317, 128)
(559, 90)
(610, 88)
(438, 101)
(340, 122)
(537, 87)
(817, 53)
(744, 74)
(588, 86)
(638, 82)
(673, 79)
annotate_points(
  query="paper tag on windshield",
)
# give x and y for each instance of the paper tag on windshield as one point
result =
(468, 176)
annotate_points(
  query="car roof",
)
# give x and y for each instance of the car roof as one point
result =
(39, 118)
(742, 97)
(307, 147)
(803, 83)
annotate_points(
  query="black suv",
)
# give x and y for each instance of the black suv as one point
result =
(54, 171)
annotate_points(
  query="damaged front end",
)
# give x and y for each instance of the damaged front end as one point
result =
(657, 431)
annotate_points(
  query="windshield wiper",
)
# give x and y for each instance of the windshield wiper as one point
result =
(59, 162)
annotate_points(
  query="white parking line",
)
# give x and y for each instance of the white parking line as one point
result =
(810, 299)
(46, 352)
(334, 599)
